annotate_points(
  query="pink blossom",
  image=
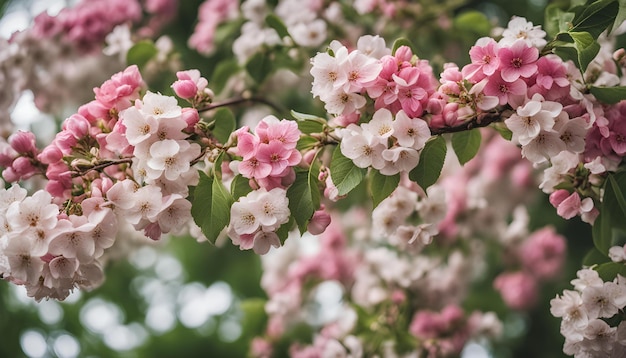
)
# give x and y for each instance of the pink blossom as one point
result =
(543, 253)
(191, 117)
(485, 60)
(121, 89)
(504, 90)
(569, 206)
(517, 61)
(23, 142)
(254, 168)
(319, 222)
(552, 78)
(270, 128)
(518, 289)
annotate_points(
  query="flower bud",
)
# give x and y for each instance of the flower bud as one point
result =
(191, 117)
(23, 142)
(319, 222)
(50, 154)
(185, 89)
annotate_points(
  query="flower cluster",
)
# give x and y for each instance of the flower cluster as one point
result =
(268, 155)
(585, 312)
(49, 252)
(390, 145)
(255, 217)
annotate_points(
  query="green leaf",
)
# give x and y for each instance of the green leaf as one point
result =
(619, 194)
(602, 232)
(402, 41)
(239, 186)
(304, 116)
(306, 142)
(608, 271)
(621, 15)
(302, 196)
(284, 229)
(466, 144)
(259, 66)
(587, 48)
(344, 174)
(141, 52)
(381, 186)
(503, 130)
(254, 316)
(609, 95)
(596, 17)
(224, 124)
(277, 24)
(211, 206)
(557, 20)
(580, 47)
(222, 73)
(309, 126)
(431, 162)
(595, 257)
(472, 22)
(609, 229)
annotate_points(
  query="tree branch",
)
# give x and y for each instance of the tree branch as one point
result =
(101, 166)
(477, 122)
(241, 100)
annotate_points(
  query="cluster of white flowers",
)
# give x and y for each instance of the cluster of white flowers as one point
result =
(368, 144)
(390, 218)
(303, 23)
(162, 159)
(585, 312)
(255, 218)
(49, 253)
(544, 130)
(338, 80)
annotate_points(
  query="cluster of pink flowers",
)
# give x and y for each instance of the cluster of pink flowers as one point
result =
(211, 13)
(584, 312)
(18, 156)
(87, 24)
(118, 157)
(445, 333)
(541, 256)
(268, 155)
(89, 135)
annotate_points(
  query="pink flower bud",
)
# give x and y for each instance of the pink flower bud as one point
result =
(23, 142)
(426, 324)
(557, 197)
(185, 89)
(77, 125)
(9, 175)
(569, 207)
(23, 167)
(319, 222)
(403, 53)
(191, 117)
(308, 156)
(50, 154)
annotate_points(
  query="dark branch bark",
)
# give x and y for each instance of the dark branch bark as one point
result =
(477, 122)
(240, 100)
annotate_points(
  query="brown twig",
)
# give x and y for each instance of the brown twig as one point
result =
(478, 122)
(240, 100)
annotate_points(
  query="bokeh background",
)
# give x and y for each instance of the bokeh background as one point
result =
(181, 298)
